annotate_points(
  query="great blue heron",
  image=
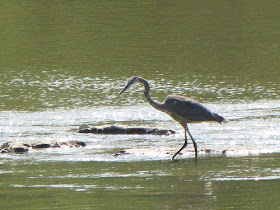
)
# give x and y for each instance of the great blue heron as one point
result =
(180, 108)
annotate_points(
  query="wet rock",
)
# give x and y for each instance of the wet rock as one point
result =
(22, 147)
(13, 147)
(42, 145)
(74, 143)
(123, 130)
(122, 152)
(208, 151)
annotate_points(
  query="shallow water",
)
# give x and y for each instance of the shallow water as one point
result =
(63, 64)
(93, 177)
(249, 129)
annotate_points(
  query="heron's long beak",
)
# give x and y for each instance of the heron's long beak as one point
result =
(125, 88)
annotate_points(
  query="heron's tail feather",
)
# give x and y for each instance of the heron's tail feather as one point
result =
(219, 118)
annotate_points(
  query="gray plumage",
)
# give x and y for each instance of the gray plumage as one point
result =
(180, 108)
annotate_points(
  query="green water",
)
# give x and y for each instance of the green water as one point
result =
(63, 63)
(212, 183)
(230, 46)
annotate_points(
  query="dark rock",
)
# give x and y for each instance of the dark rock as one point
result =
(74, 143)
(122, 152)
(18, 147)
(13, 147)
(208, 151)
(156, 131)
(113, 130)
(41, 146)
(139, 131)
(122, 130)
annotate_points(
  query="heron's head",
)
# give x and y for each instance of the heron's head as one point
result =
(130, 81)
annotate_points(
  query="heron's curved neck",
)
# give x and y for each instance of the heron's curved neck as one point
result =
(155, 104)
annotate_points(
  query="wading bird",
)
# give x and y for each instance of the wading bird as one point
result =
(182, 109)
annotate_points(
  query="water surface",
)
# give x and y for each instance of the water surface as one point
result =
(62, 64)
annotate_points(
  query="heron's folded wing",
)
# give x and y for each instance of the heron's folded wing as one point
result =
(190, 110)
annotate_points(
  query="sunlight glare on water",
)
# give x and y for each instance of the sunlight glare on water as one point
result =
(249, 129)
(63, 64)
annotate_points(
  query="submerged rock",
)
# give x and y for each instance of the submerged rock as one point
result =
(169, 152)
(122, 152)
(22, 147)
(123, 130)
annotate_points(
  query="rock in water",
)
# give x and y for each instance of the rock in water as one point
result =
(21, 147)
(13, 147)
(123, 130)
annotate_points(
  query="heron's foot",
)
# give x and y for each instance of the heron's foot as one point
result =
(173, 157)
(196, 154)
(177, 153)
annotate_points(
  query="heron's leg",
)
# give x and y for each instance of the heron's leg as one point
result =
(194, 143)
(183, 147)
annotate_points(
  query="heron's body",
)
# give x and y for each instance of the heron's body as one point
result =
(185, 110)
(180, 108)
